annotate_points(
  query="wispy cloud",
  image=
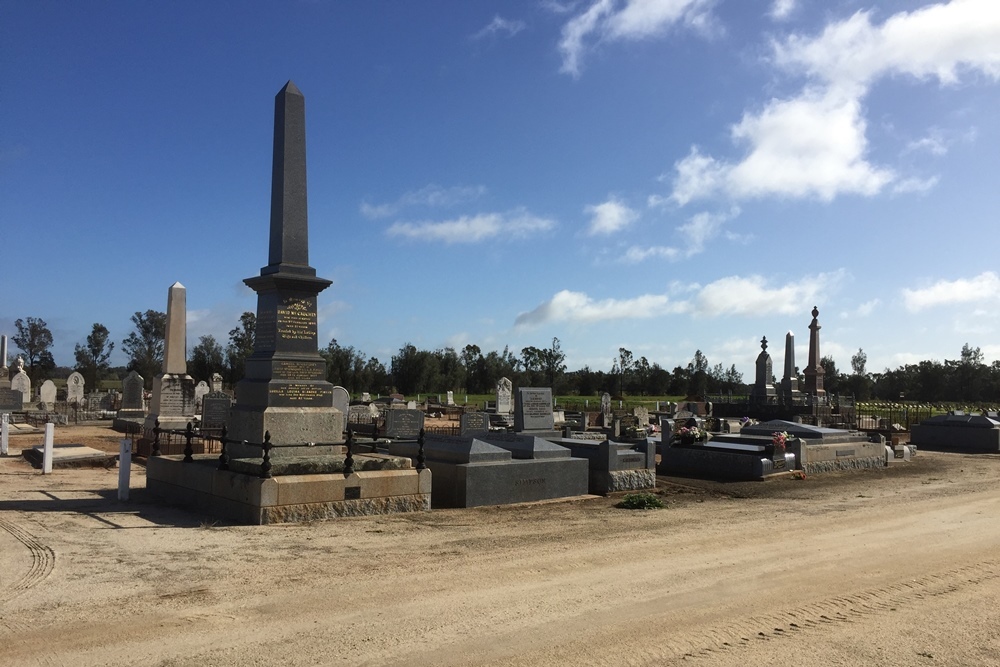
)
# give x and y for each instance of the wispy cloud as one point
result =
(610, 217)
(627, 20)
(984, 287)
(750, 296)
(515, 224)
(782, 9)
(863, 310)
(500, 25)
(567, 306)
(429, 196)
(814, 144)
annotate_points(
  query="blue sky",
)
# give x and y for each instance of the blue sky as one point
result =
(661, 175)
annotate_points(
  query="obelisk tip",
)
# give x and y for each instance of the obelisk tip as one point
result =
(290, 89)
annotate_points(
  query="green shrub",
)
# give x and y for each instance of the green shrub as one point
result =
(641, 501)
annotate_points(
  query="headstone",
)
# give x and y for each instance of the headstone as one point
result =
(366, 397)
(11, 400)
(19, 381)
(284, 391)
(505, 390)
(132, 387)
(762, 387)
(533, 409)
(606, 410)
(359, 414)
(642, 415)
(666, 429)
(215, 382)
(411, 405)
(47, 452)
(4, 432)
(74, 388)
(47, 394)
(814, 371)
(451, 398)
(474, 423)
(200, 390)
(215, 407)
(403, 424)
(341, 399)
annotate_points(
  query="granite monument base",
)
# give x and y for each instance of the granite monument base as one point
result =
(956, 432)
(819, 449)
(615, 466)
(470, 472)
(248, 499)
(294, 431)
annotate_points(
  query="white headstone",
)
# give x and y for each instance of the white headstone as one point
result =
(341, 399)
(20, 381)
(451, 398)
(4, 433)
(124, 468)
(200, 390)
(74, 388)
(215, 382)
(505, 390)
(47, 393)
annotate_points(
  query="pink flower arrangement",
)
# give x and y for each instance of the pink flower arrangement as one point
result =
(778, 439)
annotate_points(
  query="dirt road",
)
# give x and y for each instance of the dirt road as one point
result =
(896, 567)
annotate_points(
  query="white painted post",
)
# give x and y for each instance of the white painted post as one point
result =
(124, 468)
(4, 433)
(50, 429)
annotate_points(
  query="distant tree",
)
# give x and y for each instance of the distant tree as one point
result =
(144, 346)
(859, 383)
(240, 347)
(622, 367)
(858, 362)
(698, 370)
(34, 339)
(206, 358)
(92, 358)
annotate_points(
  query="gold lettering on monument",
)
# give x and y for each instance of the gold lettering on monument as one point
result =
(298, 392)
(296, 320)
(298, 370)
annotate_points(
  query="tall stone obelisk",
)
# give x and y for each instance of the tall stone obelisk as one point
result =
(4, 371)
(814, 371)
(790, 382)
(285, 391)
(173, 402)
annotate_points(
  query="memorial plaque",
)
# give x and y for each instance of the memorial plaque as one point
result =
(215, 409)
(352, 493)
(472, 423)
(533, 409)
(359, 414)
(403, 424)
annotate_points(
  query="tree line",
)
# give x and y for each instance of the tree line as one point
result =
(470, 370)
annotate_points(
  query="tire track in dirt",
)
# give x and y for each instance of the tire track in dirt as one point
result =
(43, 561)
(834, 610)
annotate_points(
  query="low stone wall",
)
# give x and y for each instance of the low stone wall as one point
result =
(845, 455)
(622, 480)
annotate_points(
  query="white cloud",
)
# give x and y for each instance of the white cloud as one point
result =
(627, 20)
(814, 144)
(751, 296)
(914, 185)
(640, 254)
(983, 287)
(810, 146)
(567, 306)
(938, 41)
(472, 229)
(863, 310)
(754, 296)
(934, 143)
(499, 24)
(610, 217)
(702, 228)
(430, 196)
(782, 9)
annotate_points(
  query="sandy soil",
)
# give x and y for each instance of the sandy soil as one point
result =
(895, 567)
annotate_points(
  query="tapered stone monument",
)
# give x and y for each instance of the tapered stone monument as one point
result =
(763, 388)
(173, 401)
(4, 371)
(790, 382)
(284, 391)
(814, 371)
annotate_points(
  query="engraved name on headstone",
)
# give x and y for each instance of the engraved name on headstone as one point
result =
(533, 409)
(403, 424)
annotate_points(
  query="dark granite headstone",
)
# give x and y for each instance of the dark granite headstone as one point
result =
(11, 399)
(215, 407)
(403, 424)
(473, 423)
(132, 387)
